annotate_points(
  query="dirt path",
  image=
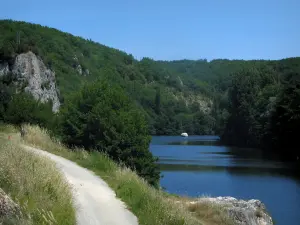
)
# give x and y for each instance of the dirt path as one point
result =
(96, 203)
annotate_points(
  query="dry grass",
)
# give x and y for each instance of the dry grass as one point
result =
(7, 129)
(35, 183)
(151, 206)
(210, 213)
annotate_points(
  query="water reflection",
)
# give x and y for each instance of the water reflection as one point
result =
(200, 142)
(237, 170)
(200, 165)
(207, 154)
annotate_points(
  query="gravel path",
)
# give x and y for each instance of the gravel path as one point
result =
(96, 203)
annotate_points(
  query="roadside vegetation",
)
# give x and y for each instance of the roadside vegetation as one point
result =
(34, 183)
(152, 206)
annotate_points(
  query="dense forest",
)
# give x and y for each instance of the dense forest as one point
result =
(251, 103)
(178, 96)
(172, 103)
(264, 108)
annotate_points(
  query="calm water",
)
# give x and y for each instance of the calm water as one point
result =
(197, 165)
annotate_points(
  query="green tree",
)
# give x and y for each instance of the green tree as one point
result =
(23, 108)
(179, 80)
(285, 121)
(102, 117)
(240, 128)
(5, 97)
(157, 101)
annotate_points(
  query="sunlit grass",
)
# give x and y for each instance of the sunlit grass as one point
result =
(34, 183)
(150, 205)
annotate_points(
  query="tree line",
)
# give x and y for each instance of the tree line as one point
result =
(76, 61)
(263, 106)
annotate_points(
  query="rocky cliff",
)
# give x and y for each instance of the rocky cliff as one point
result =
(30, 74)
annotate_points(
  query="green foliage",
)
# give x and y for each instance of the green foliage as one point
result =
(157, 101)
(248, 101)
(63, 53)
(245, 94)
(5, 97)
(102, 117)
(22, 108)
(285, 121)
(203, 124)
(264, 109)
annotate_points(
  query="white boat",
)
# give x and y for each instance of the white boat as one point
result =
(184, 135)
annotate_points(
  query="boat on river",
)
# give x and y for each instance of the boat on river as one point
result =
(184, 135)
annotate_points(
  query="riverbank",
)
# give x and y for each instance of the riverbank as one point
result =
(150, 205)
(242, 212)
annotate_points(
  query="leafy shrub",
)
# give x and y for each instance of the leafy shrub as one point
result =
(102, 117)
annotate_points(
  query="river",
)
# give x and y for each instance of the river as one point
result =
(199, 165)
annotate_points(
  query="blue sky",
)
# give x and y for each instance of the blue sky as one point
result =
(174, 29)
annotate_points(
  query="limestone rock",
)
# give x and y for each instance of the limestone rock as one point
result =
(180, 81)
(32, 74)
(7, 206)
(79, 69)
(252, 212)
(4, 68)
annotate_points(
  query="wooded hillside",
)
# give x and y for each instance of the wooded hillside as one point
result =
(249, 103)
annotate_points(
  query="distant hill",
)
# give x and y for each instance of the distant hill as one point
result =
(177, 96)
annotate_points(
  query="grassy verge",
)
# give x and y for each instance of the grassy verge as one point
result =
(34, 183)
(151, 206)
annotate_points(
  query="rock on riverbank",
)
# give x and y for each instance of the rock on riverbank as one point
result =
(251, 212)
(8, 207)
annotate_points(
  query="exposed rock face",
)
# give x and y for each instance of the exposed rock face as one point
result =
(32, 75)
(4, 68)
(180, 81)
(205, 104)
(79, 69)
(252, 212)
(7, 206)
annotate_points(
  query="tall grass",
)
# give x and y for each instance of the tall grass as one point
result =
(6, 128)
(151, 206)
(35, 183)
